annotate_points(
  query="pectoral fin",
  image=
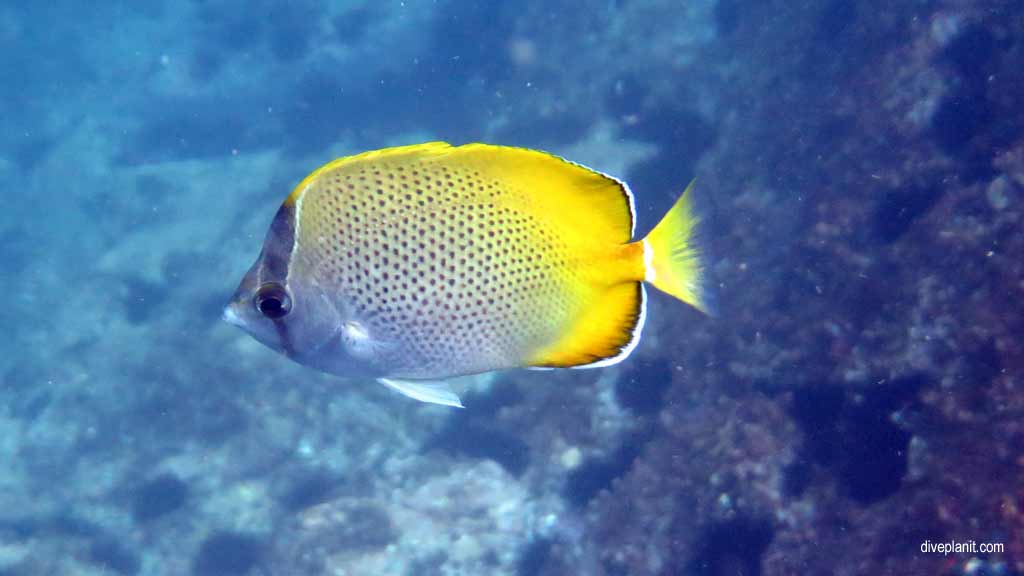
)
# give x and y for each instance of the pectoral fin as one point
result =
(434, 392)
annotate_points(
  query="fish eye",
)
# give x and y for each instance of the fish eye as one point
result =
(273, 301)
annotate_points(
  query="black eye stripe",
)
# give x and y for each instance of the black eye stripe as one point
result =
(282, 334)
(278, 245)
(272, 300)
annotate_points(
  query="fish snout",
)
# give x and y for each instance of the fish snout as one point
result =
(231, 317)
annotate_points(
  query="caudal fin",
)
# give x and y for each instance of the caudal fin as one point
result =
(672, 257)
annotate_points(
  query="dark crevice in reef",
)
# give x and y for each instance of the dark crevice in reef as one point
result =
(897, 211)
(158, 497)
(109, 554)
(641, 388)
(681, 134)
(101, 548)
(534, 558)
(970, 123)
(309, 489)
(474, 433)
(587, 481)
(796, 478)
(854, 437)
(228, 553)
(731, 548)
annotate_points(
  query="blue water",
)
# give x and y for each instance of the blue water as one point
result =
(860, 169)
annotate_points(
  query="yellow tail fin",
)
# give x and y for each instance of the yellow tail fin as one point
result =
(672, 258)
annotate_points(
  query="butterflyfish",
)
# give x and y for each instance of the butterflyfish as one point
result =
(415, 264)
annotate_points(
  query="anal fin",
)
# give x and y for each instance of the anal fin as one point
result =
(605, 333)
(433, 392)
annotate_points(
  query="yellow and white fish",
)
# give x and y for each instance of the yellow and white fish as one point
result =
(419, 263)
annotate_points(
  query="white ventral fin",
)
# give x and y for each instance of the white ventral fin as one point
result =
(434, 392)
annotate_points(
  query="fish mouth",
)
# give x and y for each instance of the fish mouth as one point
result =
(230, 316)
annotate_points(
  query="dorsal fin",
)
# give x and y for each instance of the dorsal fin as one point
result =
(424, 149)
(581, 199)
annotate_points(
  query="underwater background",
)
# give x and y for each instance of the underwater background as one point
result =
(858, 395)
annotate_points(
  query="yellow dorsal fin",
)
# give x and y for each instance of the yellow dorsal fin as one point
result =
(425, 149)
(605, 333)
(583, 203)
(577, 199)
